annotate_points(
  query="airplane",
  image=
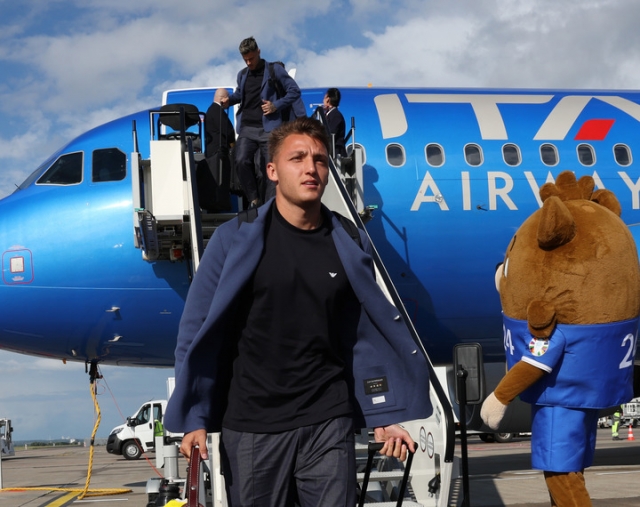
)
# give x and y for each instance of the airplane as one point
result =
(96, 267)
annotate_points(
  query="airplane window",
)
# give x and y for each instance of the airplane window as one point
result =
(66, 170)
(622, 154)
(395, 155)
(108, 165)
(434, 154)
(473, 154)
(586, 154)
(34, 175)
(549, 154)
(511, 154)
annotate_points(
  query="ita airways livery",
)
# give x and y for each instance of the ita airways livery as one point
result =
(99, 244)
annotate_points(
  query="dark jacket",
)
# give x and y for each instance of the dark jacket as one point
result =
(219, 130)
(384, 350)
(336, 124)
(268, 92)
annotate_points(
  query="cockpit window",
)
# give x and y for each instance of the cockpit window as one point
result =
(34, 175)
(109, 164)
(66, 170)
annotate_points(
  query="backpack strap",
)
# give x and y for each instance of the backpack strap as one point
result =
(247, 215)
(275, 82)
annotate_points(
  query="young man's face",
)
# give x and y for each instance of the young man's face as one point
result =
(252, 59)
(301, 170)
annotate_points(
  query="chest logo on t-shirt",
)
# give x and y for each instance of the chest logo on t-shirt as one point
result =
(332, 275)
(538, 347)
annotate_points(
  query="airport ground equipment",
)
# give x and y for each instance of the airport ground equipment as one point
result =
(138, 434)
(6, 443)
(630, 415)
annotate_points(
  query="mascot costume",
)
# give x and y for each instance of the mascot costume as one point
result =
(570, 293)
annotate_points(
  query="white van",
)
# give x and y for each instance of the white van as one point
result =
(137, 435)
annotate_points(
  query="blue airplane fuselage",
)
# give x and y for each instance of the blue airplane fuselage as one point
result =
(451, 175)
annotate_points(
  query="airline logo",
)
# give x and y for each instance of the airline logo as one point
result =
(556, 126)
(499, 186)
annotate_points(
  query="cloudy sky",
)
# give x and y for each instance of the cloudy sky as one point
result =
(67, 66)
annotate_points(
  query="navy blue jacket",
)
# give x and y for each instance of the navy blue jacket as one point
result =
(291, 100)
(384, 352)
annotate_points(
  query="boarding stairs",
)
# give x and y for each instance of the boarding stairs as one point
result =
(168, 223)
(167, 220)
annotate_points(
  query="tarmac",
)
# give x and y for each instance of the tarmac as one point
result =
(67, 467)
(499, 475)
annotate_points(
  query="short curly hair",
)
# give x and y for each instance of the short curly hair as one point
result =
(304, 126)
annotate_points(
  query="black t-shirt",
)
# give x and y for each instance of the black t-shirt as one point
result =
(252, 102)
(301, 320)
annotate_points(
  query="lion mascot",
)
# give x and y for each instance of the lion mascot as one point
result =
(570, 292)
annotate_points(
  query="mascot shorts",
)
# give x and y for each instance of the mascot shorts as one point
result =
(563, 439)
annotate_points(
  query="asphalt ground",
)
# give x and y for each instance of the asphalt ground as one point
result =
(499, 475)
(67, 467)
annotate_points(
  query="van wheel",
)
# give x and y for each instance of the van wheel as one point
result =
(503, 437)
(131, 450)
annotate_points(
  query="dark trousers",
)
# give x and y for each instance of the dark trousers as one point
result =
(213, 178)
(252, 175)
(312, 466)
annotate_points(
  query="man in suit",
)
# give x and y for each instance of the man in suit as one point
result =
(213, 174)
(287, 344)
(260, 112)
(335, 120)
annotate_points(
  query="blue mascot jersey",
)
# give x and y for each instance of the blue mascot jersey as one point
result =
(588, 366)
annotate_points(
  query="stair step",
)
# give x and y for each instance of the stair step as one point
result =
(406, 503)
(393, 475)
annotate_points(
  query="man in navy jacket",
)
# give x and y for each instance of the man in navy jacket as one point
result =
(287, 343)
(259, 113)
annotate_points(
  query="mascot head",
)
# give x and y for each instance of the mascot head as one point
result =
(573, 261)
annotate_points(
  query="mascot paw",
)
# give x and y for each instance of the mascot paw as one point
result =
(492, 411)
